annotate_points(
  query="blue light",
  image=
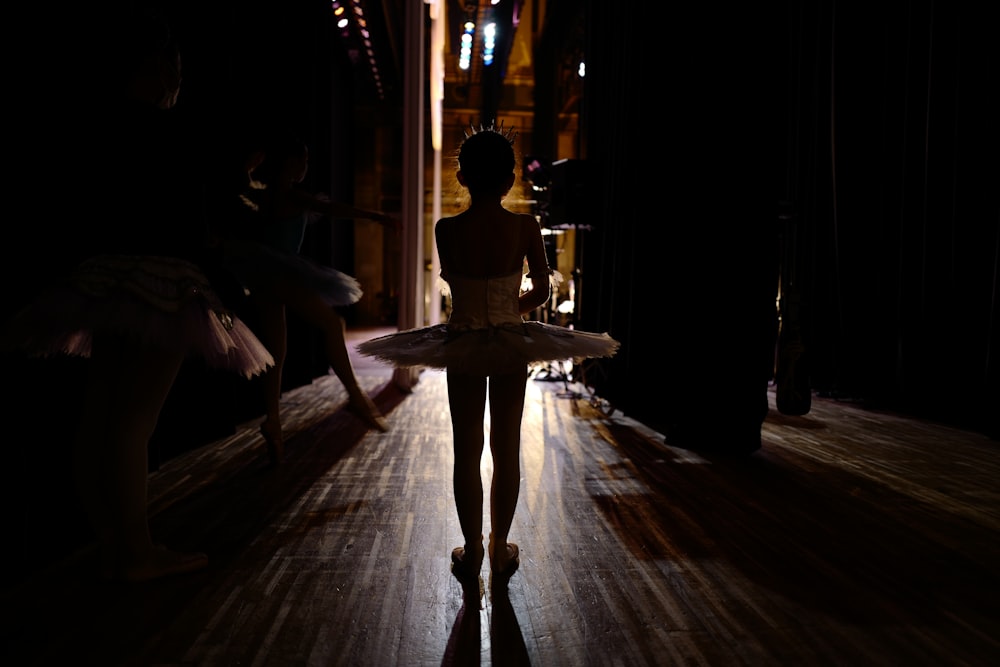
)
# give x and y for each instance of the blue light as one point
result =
(489, 43)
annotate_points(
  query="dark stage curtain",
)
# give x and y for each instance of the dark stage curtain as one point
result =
(680, 263)
(872, 131)
(893, 177)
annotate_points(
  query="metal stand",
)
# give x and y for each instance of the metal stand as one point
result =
(552, 206)
(553, 371)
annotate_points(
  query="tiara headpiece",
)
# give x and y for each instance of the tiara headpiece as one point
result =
(509, 134)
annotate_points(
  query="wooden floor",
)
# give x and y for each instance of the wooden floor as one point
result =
(851, 538)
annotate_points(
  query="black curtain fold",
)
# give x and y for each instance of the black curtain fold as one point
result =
(875, 128)
(897, 190)
(681, 268)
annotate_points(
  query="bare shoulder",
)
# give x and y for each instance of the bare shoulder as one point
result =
(447, 221)
(444, 224)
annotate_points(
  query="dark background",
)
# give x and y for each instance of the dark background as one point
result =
(872, 132)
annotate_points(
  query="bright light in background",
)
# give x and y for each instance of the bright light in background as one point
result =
(465, 53)
(344, 21)
(581, 71)
(338, 11)
(437, 36)
(436, 94)
(489, 42)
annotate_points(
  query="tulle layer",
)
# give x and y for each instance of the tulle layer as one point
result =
(161, 303)
(487, 351)
(258, 266)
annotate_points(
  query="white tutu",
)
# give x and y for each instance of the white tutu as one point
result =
(489, 351)
(486, 335)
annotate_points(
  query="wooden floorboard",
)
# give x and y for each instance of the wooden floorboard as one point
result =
(852, 538)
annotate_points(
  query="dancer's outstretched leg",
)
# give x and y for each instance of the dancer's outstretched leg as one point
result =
(309, 305)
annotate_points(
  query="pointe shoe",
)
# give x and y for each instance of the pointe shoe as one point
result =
(275, 443)
(506, 565)
(365, 410)
(466, 561)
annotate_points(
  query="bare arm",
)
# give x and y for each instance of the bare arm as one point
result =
(538, 268)
(440, 239)
(334, 209)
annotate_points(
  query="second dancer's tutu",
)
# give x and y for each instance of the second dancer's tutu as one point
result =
(258, 266)
(159, 302)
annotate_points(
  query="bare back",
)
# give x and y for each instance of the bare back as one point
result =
(485, 243)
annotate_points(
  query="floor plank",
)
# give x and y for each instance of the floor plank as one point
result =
(852, 538)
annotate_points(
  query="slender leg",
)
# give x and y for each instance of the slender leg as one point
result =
(506, 398)
(127, 388)
(309, 305)
(273, 333)
(467, 401)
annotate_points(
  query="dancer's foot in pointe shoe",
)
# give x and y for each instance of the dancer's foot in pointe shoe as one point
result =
(364, 409)
(159, 562)
(504, 562)
(466, 561)
(275, 442)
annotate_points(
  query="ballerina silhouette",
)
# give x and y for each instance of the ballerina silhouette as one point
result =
(486, 345)
(264, 256)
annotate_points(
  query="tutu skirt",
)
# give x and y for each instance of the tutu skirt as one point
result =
(257, 265)
(161, 303)
(487, 351)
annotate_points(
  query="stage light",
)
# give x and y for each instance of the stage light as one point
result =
(465, 53)
(343, 22)
(489, 43)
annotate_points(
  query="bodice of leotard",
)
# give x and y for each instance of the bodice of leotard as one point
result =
(481, 303)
